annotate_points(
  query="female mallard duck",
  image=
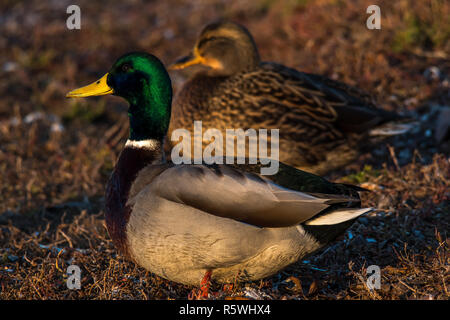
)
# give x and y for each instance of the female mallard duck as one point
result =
(185, 221)
(322, 122)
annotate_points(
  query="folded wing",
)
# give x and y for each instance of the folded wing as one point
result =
(226, 192)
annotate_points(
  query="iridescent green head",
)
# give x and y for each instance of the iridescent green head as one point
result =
(142, 80)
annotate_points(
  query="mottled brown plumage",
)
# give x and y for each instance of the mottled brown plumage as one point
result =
(322, 122)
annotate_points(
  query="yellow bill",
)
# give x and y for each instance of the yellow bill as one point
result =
(98, 88)
(187, 61)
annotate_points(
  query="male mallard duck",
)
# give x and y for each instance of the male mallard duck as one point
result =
(322, 122)
(185, 221)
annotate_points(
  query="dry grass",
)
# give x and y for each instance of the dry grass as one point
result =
(52, 181)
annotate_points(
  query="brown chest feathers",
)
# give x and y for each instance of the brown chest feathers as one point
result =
(117, 212)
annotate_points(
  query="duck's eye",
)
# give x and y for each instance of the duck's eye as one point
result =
(206, 40)
(125, 67)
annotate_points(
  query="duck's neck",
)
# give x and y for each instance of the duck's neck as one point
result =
(149, 117)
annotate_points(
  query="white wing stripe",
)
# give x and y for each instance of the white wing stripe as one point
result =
(338, 216)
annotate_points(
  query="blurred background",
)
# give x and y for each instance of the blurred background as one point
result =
(56, 154)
